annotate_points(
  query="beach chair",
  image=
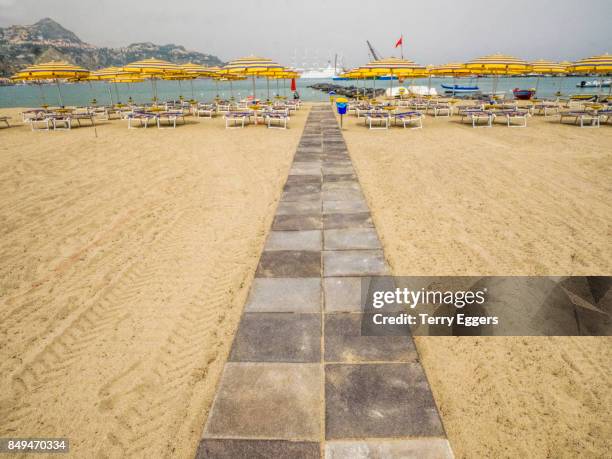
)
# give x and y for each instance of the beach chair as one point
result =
(545, 108)
(171, 117)
(83, 117)
(205, 111)
(61, 120)
(580, 116)
(440, 108)
(605, 115)
(5, 120)
(237, 119)
(512, 115)
(143, 118)
(280, 119)
(408, 118)
(377, 118)
(475, 116)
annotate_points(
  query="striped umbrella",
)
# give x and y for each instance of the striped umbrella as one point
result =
(596, 64)
(395, 67)
(154, 69)
(546, 67)
(55, 71)
(252, 66)
(454, 69)
(496, 65)
(111, 75)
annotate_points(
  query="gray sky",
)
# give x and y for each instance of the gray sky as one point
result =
(435, 32)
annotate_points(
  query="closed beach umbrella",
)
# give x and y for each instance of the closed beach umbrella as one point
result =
(52, 71)
(601, 64)
(154, 69)
(252, 66)
(496, 65)
(546, 67)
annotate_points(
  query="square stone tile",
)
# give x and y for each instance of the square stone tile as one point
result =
(302, 180)
(346, 194)
(231, 449)
(301, 196)
(341, 186)
(346, 342)
(267, 400)
(303, 188)
(343, 294)
(345, 207)
(297, 222)
(345, 221)
(294, 240)
(351, 238)
(284, 295)
(306, 168)
(339, 178)
(277, 337)
(379, 400)
(353, 263)
(418, 448)
(289, 263)
(329, 170)
(298, 208)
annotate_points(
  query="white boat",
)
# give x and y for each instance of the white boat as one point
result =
(328, 72)
(594, 84)
(414, 90)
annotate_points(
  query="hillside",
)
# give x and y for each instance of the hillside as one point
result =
(47, 40)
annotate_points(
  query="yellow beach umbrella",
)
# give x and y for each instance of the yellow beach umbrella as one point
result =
(154, 69)
(54, 70)
(111, 75)
(601, 64)
(496, 65)
(394, 67)
(454, 69)
(252, 66)
(546, 67)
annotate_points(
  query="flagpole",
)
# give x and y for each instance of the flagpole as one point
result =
(402, 45)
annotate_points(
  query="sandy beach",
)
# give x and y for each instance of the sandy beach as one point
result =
(126, 259)
(452, 200)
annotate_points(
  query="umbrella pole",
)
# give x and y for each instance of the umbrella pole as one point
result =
(110, 93)
(537, 86)
(232, 89)
(192, 93)
(59, 92)
(391, 84)
(254, 97)
(277, 90)
(117, 92)
(268, 85)
(42, 94)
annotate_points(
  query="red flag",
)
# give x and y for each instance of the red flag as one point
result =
(400, 42)
(293, 85)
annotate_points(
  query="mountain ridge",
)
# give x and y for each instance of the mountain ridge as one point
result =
(46, 39)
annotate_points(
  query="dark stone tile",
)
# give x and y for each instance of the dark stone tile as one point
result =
(296, 222)
(356, 220)
(302, 179)
(339, 178)
(347, 342)
(257, 449)
(299, 208)
(379, 400)
(277, 337)
(267, 400)
(303, 188)
(289, 263)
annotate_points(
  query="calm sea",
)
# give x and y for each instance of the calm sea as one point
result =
(206, 90)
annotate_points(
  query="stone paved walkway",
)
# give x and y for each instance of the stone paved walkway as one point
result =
(301, 381)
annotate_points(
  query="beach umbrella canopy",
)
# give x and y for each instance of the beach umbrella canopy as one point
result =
(594, 64)
(546, 67)
(252, 66)
(153, 68)
(498, 64)
(450, 69)
(393, 66)
(54, 71)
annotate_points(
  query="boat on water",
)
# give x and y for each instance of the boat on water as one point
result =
(594, 84)
(457, 89)
(328, 72)
(523, 94)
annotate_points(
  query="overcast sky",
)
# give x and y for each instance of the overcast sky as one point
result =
(435, 32)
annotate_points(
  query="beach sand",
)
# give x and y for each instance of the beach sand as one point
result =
(126, 259)
(453, 200)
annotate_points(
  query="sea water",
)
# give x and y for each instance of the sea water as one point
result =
(33, 95)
